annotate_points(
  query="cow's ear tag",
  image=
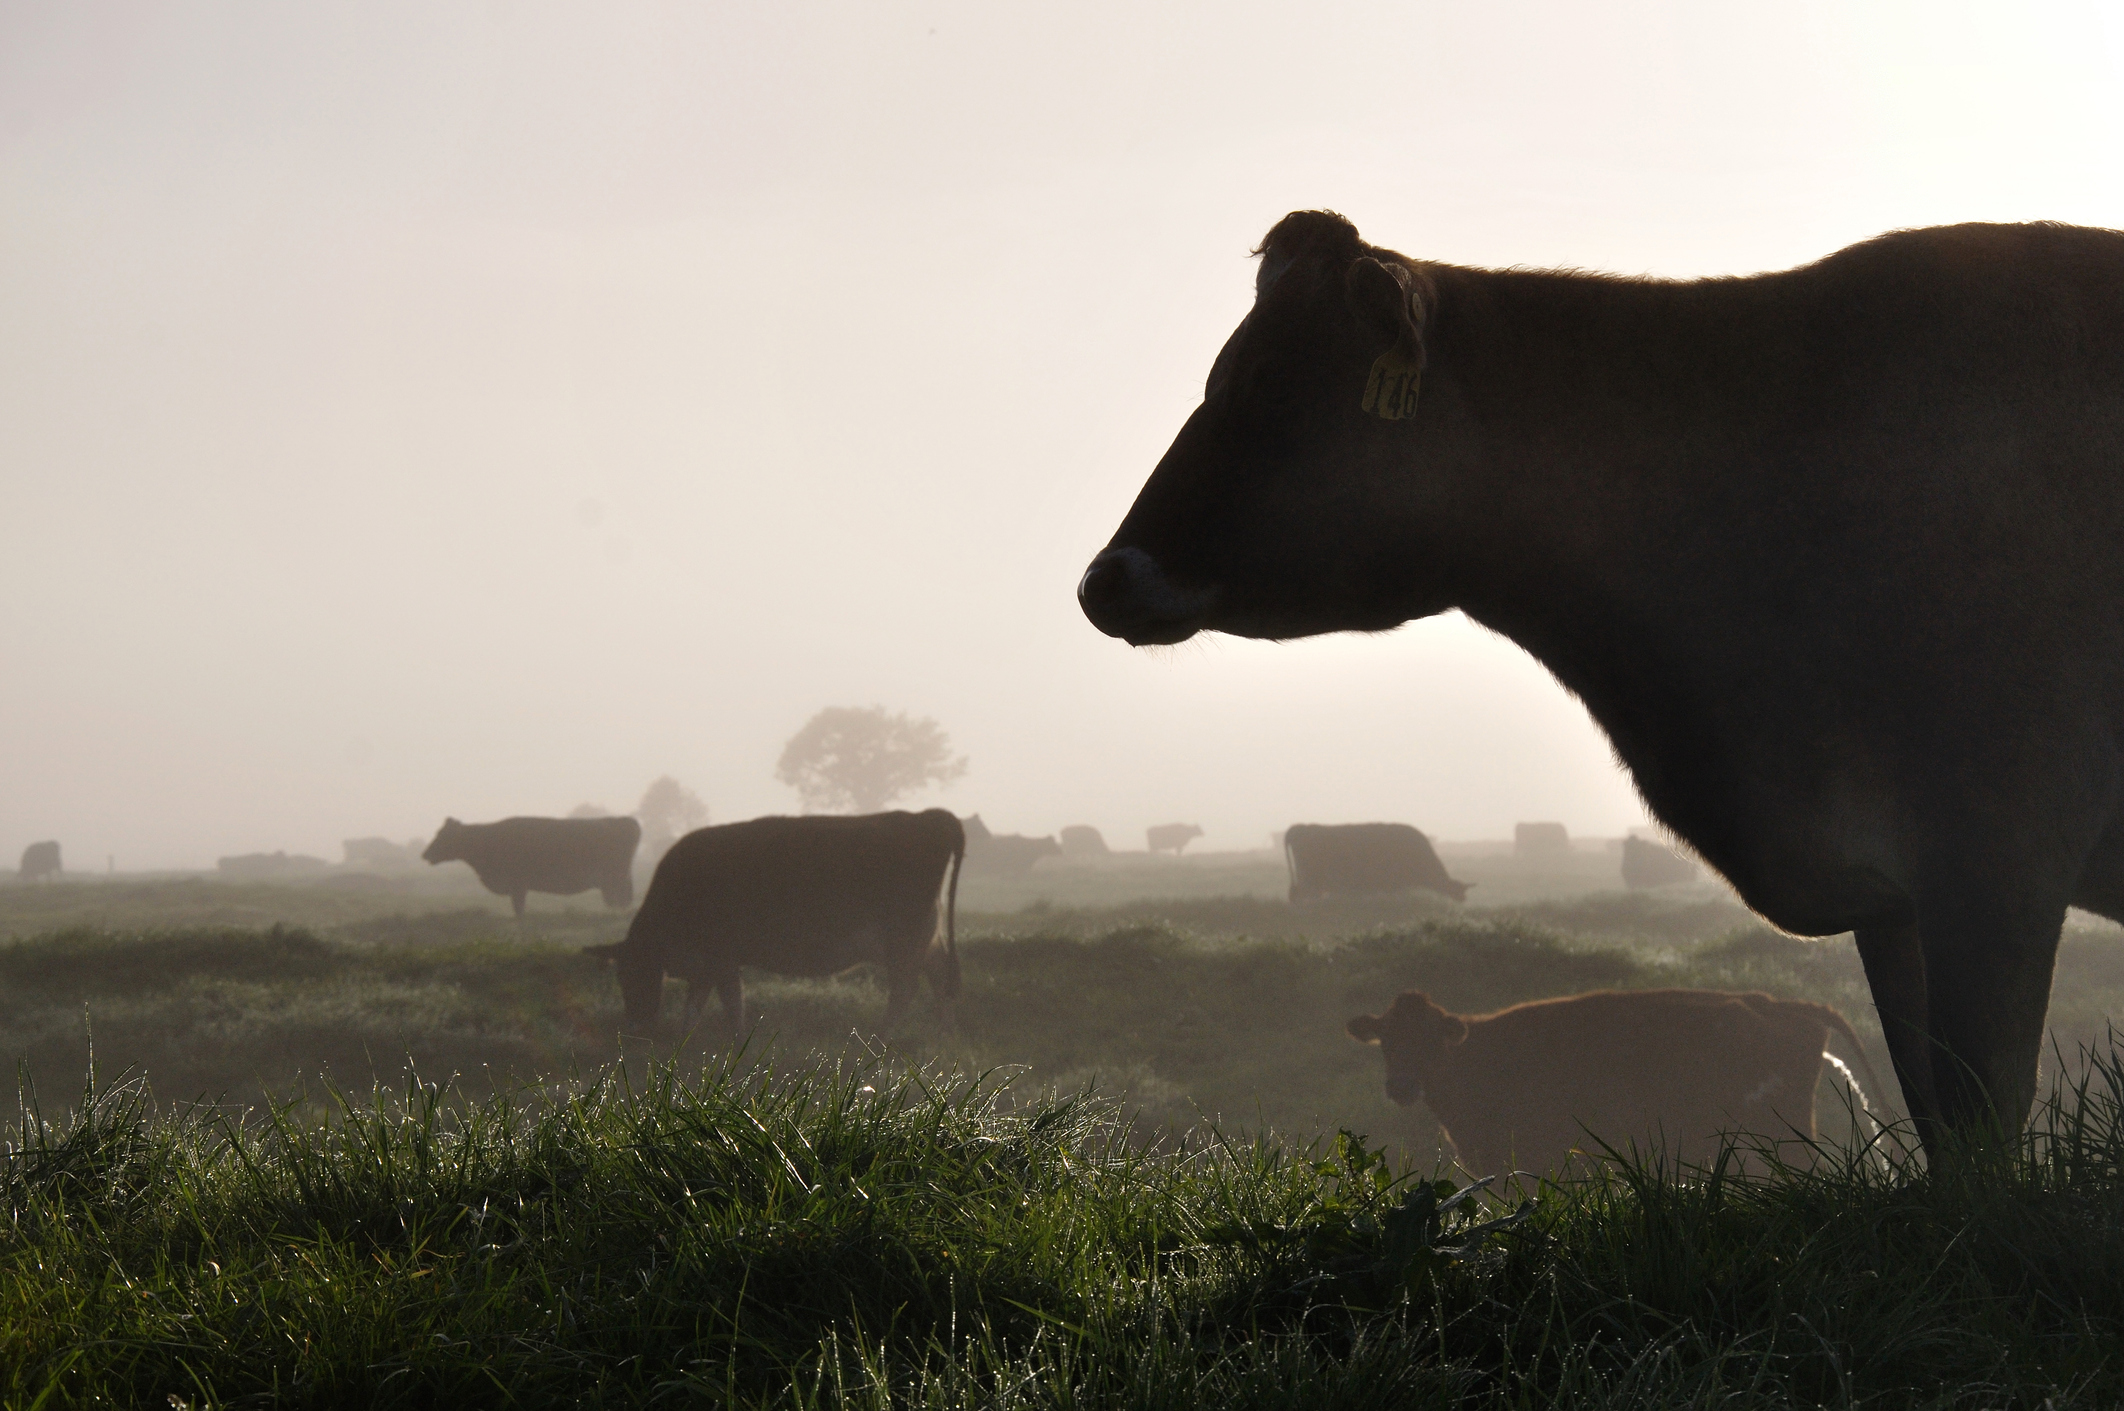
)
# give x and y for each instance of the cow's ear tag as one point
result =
(1390, 393)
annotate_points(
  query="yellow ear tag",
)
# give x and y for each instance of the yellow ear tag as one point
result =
(1390, 395)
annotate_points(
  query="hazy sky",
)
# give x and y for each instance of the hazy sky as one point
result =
(485, 408)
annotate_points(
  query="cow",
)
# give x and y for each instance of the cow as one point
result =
(1539, 1086)
(1540, 840)
(1170, 837)
(378, 852)
(1363, 859)
(809, 896)
(1647, 864)
(1830, 554)
(1080, 840)
(1008, 853)
(561, 856)
(40, 861)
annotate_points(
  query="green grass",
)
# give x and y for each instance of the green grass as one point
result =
(1186, 1024)
(870, 1235)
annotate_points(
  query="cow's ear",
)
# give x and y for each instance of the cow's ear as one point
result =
(1452, 1029)
(1364, 1029)
(1388, 299)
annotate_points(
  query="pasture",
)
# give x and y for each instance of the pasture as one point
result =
(474, 1189)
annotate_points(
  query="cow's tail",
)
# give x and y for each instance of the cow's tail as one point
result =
(1837, 1022)
(951, 918)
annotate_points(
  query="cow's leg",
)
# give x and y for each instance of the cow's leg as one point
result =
(516, 900)
(730, 987)
(1895, 972)
(1987, 972)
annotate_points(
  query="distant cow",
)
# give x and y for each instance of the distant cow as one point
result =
(1540, 840)
(562, 856)
(1171, 837)
(257, 866)
(379, 852)
(1008, 852)
(1647, 864)
(39, 861)
(1523, 1088)
(806, 896)
(1363, 859)
(1082, 841)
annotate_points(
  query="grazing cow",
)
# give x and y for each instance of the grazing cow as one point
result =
(1527, 1087)
(1647, 864)
(1008, 853)
(39, 861)
(1831, 554)
(379, 852)
(808, 896)
(562, 856)
(1540, 840)
(1171, 837)
(1363, 859)
(1081, 841)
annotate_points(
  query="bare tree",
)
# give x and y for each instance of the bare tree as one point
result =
(668, 811)
(860, 759)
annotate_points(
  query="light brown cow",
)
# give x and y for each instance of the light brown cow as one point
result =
(1530, 1087)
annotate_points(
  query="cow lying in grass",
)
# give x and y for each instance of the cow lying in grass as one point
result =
(1531, 1087)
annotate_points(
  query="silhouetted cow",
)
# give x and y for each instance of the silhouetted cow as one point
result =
(1363, 859)
(1647, 864)
(797, 896)
(1080, 840)
(1832, 555)
(1008, 853)
(39, 861)
(1540, 840)
(1523, 1088)
(1171, 837)
(561, 856)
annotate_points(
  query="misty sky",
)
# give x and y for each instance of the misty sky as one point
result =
(485, 408)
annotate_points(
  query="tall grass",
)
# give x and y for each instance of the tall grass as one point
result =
(870, 1234)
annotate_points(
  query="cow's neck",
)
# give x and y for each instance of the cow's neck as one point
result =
(1601, 426)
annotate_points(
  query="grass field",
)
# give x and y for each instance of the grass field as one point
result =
(757, 1228)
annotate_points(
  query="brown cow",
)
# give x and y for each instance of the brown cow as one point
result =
(1363, 859)
(1832, 555)
(563, 856)
(806, 896)
(1528, 1087)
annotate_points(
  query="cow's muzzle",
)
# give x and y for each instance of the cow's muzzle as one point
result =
(1126, 595)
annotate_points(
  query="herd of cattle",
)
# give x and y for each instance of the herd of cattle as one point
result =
(816, 896)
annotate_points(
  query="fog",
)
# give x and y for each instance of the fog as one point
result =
(410, 410)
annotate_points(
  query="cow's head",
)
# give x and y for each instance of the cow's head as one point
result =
(641, 979)
(1290, 504)
(448, 844)
(1414, 1034)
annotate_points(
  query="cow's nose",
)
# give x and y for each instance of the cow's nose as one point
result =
(1105, 589)
(1126, 595)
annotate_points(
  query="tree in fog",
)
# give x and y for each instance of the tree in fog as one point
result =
(668, 811)
(858, 760)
